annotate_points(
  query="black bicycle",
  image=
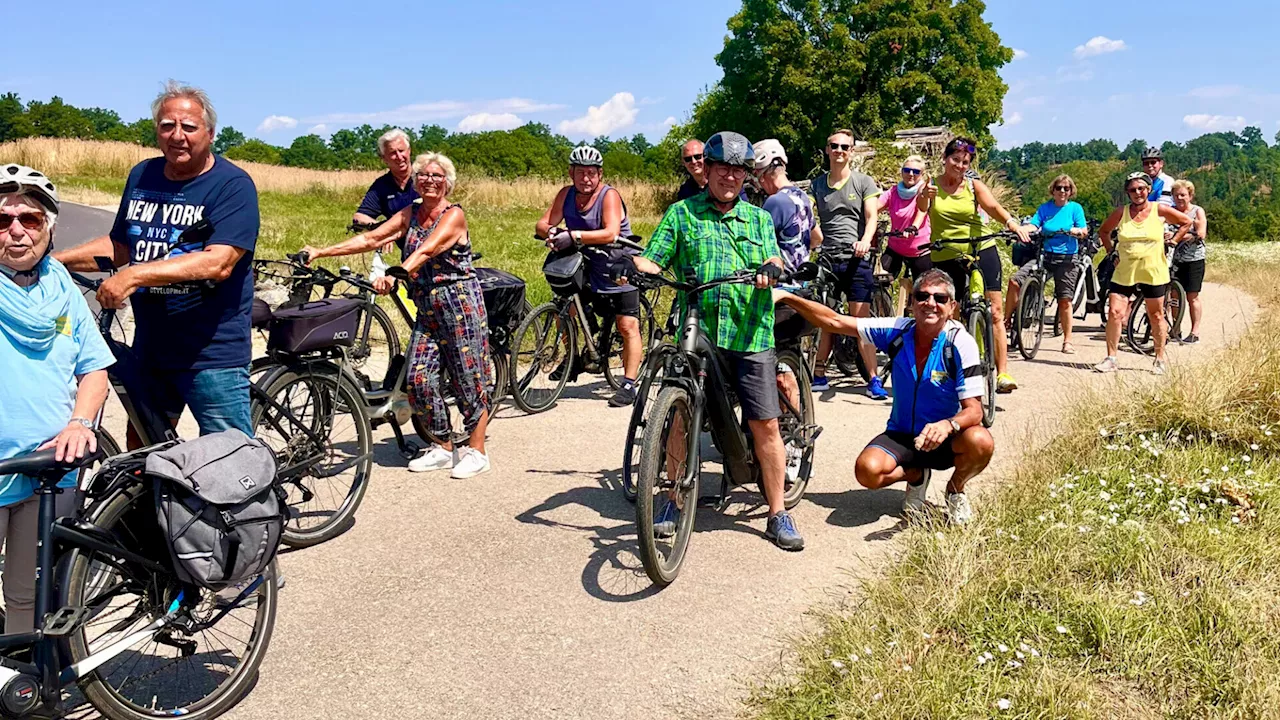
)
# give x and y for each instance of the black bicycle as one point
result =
(658, 351)
(696, 393)
(1137, 332)
(547, 353)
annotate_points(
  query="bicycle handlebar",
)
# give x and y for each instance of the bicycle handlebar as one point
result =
(805, 272)
(942, 244)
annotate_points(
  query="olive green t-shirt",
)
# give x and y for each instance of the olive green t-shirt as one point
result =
(840, 208)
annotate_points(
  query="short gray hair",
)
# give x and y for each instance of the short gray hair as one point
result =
(391, 136)
(935, 277)
(174, 90)
(450, 172)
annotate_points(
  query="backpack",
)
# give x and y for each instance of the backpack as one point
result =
(219, 507)
(949, 359)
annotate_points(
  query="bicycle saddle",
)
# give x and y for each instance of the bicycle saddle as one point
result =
(43, 463)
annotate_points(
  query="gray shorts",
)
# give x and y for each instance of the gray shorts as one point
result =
(1062, 268)
(755, 380)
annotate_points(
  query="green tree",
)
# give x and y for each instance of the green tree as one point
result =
(58, 119)
(309, 151)
(255, 151)
(1133, 151)
(796, 69)
(102, 120)
(14, 122)
(433, 137)
(228, 137)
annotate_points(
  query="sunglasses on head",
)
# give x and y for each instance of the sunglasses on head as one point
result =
(28, 220)
(939, 298)
(910, 171)
(1062, 188)
(839, 146)
(693, 158)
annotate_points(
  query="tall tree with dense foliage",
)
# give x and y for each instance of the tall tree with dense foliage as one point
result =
(797, 69)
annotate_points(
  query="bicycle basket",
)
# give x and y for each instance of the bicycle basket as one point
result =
(315, 325)
(503, 297)
(566, 272)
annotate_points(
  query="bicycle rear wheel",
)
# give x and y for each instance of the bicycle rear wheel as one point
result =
(323, 499)
(372, 354)
(979, 326)
(647, 388)
(1175, 308)
(158, 676)
(1029, 322)
(613, 368)
(796, 425)
(665, 458)
(542, 355)
(1137, 331)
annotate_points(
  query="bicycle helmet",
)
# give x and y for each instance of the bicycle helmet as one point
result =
(769, 153)
(16, 178)
(1137, 176)
(586, 156)
(730, 148)
(1152, 153)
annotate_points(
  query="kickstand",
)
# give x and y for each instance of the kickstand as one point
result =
(721, 501)
(408, 450)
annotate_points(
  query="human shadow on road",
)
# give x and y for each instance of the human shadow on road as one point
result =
(855, 508)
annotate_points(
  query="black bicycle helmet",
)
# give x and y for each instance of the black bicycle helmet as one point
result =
(730, 148)
(1152, 153)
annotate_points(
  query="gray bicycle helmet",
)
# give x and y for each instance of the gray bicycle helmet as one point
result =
(15, 178)
(1152, 153)
(1137, 176)
(586, 156)
(730, 148)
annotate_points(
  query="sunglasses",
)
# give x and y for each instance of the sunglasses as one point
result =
(1141, 189)
(28, 220)
(693, 158)
(1150, 161)
(911, 171)
(939, 298)
(967, 147)
(1062, 188)
(839, 146)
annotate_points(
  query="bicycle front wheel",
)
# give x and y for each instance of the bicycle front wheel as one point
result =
(1175, 308)
(665, 506)
(374, 350)
(979, 326)
(613, 369)
(183, 669)
(1137, 331)
(542, 356)
(315, 423)
(1029, 323)
(647, 387)
(797, 427)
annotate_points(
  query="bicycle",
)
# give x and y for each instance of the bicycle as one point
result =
(658, 350)
(1090, 292)
(1026, 327)
(975, 315)
(844, 349)
(1138, 334)
(696, 393)
(545, 353)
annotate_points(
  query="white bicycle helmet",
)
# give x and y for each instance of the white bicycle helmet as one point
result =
(586, 156)
(769, 152)
(20, 178)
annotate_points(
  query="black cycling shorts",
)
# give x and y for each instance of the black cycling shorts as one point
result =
(1150, 292)
(893, 263)
(1191, 274)
(988, 263)
(755, 380)
(611, 304)
(902, 448)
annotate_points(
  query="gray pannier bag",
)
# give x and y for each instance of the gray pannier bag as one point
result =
(219, 506)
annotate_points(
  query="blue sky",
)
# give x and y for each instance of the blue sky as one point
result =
(276, 70)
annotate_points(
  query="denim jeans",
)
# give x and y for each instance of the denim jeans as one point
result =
(218, 397)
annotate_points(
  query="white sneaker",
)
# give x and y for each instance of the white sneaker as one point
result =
(1160, 368)
(794, 457)
(435, 458)
(471, 462)
(913, 503)
(1107, 366)
(959, 509)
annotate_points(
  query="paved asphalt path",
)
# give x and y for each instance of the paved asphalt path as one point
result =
(518, 594)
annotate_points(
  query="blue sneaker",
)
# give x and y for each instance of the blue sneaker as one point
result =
(782, 531)
(664, 525)
(876, 391)
(820, 383)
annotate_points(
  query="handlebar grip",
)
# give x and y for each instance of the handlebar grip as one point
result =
(398, 273)
(301, 257)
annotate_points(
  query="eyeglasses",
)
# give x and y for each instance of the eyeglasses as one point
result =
(911, 171)
(839, 146)
(29, 220)
(693, 158)
(939, 298)
(726, 170)
(1141, 189)
(431, 177)
(1062, 188)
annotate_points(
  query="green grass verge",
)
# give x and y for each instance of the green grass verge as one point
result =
(1129, 569)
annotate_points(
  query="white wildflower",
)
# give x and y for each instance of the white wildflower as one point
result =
(1002, 648)
(906, 668)
(837, 664)
(1004, 703)
(982, 660)
(1062, 630)
(1254, 447)
(877, 697)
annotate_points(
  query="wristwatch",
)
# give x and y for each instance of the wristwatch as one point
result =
(83, 421)
(577, 237)
(955, 426)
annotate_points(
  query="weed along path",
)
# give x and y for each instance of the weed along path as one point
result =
(518, 594)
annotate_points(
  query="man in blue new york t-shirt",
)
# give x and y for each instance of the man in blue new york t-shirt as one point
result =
(193, 342)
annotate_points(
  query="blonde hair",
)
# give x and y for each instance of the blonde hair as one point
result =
(1187, 185)
(1063, 179)
(450, 172)
(915, 159)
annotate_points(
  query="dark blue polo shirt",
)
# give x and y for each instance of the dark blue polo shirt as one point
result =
(385, 199)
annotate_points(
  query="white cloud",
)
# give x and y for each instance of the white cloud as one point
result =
(1100, 45)
(616, 113)
(434, 111)
(489, 121)
(1020, 54)
(1074, 73)
(1215, 92)
(271, 123)
(1214, 123)
(320, 129)
(671, 120)
(1013, 119)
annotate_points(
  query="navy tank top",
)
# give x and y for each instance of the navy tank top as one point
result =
(592, 218)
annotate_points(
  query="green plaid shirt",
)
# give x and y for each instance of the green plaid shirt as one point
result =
(699, 242)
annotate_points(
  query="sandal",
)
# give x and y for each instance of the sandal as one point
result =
(1068, 349)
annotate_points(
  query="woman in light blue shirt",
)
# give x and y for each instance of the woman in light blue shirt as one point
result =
(53, 363)
(1061, 224)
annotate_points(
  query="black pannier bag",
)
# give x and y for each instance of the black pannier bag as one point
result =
(503, 297)
(315, 325)
(566, 272)
(261, 315)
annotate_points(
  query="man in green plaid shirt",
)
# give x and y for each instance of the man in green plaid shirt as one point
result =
(709, 236)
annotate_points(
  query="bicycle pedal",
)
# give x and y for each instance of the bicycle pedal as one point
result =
(62, 621)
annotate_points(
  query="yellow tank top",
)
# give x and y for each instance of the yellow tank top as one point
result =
(1141, 249)
(955, 217)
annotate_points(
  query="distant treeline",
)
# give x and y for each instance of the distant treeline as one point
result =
(531, 149)
(1234, 173)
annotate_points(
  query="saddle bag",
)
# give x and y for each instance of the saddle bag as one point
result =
(503, 298)
(566, 272)
(219, 507)
(315, 325)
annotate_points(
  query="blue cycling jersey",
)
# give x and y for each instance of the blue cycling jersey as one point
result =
(924, 396)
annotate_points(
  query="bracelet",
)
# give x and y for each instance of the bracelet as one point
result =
(89, 424)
